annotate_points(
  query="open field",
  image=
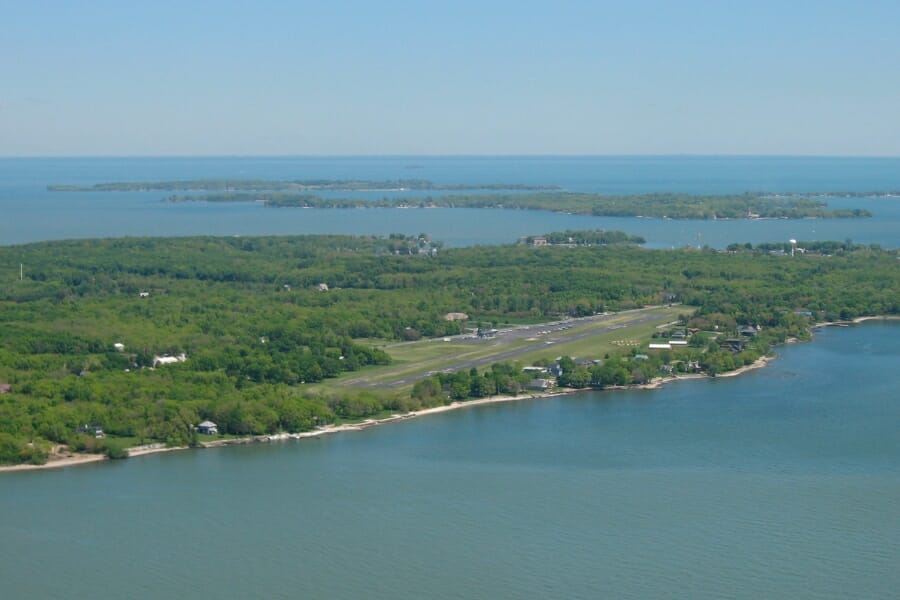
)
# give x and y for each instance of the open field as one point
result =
(588, 336)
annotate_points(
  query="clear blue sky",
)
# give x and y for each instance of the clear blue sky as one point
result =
(506, 77)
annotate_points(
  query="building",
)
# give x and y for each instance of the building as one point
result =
(168, 360)
(540, 385)
(208, 428)
(94, 430)
(5, 388)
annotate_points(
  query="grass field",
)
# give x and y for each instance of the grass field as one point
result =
(592, 337)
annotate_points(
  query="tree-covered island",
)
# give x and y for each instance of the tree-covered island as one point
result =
(302, 194)
(663, 206)
(297, 185)
(108, 344)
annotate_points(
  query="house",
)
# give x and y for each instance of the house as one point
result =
(94, 430)
(323, 287)
(748, 331)
(119, 347)
(168, 360)
(678, 342)
(732, 345)
(540, 385)
(456, 316)
(208, 428)
(539, 241)
(660, 346)
(5, 388)
(144, 294)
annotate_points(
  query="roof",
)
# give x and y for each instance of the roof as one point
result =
(206, 424)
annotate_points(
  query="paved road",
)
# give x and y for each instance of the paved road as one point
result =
(558, 332)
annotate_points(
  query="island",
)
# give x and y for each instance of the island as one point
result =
(664, 205)
(116, 347)
(301, 185)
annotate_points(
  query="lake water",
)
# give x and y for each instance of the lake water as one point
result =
(782, 483)
(31, 213)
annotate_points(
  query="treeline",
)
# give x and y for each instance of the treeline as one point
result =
(662, 205)
(261, 318)
(265, 185)
(825, 247)
(586, 238)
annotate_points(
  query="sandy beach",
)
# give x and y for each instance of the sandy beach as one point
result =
(69, 459)
(56, 462)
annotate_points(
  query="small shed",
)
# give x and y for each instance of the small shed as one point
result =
(208, 428)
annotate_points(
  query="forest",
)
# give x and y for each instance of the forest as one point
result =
(260, 320)
(663, 205)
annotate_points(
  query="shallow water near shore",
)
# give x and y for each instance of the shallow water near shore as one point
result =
(780, 483)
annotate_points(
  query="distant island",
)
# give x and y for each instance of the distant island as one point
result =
(299, 185)
(662, 205)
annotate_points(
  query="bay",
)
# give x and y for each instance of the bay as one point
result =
(31, 213)
(781, 483)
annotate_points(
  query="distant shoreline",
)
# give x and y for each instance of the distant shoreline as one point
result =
(82, 459)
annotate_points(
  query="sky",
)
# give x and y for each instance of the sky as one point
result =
(385, 77)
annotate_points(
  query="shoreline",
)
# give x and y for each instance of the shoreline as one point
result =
(157, 448)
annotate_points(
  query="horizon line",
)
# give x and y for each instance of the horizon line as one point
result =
(448, 155)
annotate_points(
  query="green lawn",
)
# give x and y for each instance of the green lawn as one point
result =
(414, 360)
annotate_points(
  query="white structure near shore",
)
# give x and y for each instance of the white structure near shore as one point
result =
(168, 360)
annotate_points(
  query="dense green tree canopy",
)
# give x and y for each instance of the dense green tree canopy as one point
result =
(260, 318)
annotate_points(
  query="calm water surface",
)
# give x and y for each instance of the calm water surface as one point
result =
(783, 483)
(31, 213)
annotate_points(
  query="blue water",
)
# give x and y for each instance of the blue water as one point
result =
(30, 213)
(782, 483)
